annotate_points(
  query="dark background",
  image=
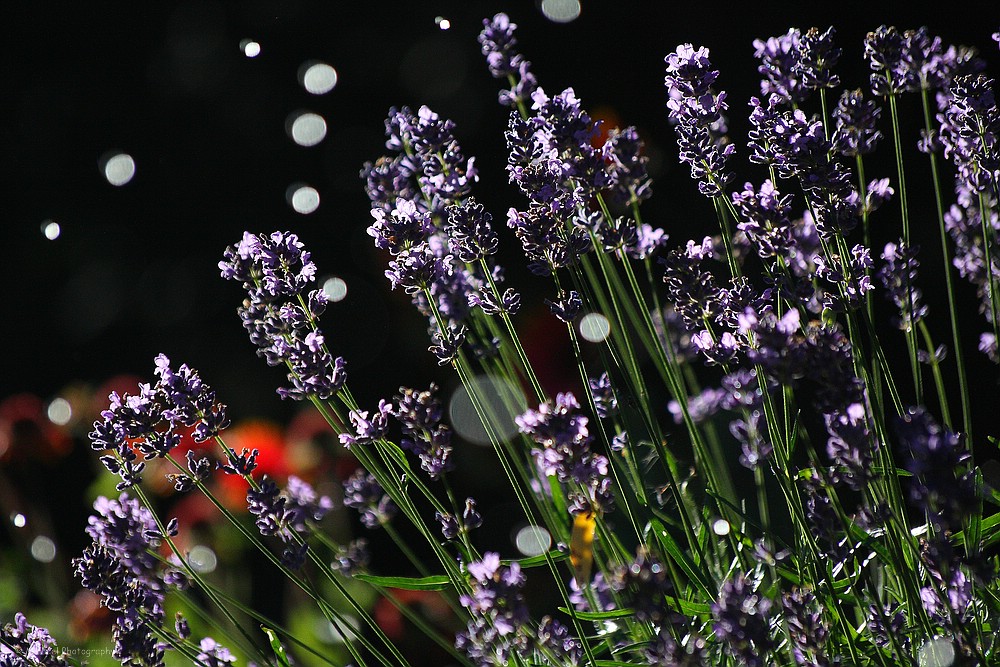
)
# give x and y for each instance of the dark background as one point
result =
(134, 270)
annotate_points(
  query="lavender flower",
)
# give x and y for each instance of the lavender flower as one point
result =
(943, 486)
(424, 434)
(214, 654)
(820, 352)
(275, 270)
(546, 243)
(128, 529)
(884, 51)
(755, 447)
(691, 289)
(567, 307)
(817, 56)
(509, 302)
(304, 504)
(764, 219)
(565, 453)
(599, 588)
(629, 180)
(888, 626)
(498, 612)
(855, 120)
(849, 276)
(971, 131)
(646, 581)
(648, 241)
(897, 277)
(551, 156)
(367, 429)
(879, 192)
(798, 148)
(400, 229)
(697, 113)
(692, 651)
(351, 558)
(604, 396)
(469, 232)
(851, 445)
(452, 527)
(505, 63)
(778, 58)
(807, 630)
(23, 644)
(741, 618)
(555, 641)
(363, 493)
(118, 565)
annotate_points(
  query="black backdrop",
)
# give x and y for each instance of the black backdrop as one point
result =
(134, 270)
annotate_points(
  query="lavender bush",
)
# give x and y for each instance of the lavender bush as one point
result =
(744, 476)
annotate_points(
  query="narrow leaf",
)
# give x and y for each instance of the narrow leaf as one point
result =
(436, 582)
(279, 650)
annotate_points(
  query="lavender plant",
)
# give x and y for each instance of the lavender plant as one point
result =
(801, 501)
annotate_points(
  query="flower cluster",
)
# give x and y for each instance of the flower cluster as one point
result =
(424, 433)
(697, 112)
(363, 493)
(23, 644)
(152, 421)
(741, 622)
(439, 238)
(495, 632)
(288, 514)
(505, 63)
(281, 315)
(566, 452)
(119, 565)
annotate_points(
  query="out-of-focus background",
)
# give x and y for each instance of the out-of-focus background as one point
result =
(140, 140)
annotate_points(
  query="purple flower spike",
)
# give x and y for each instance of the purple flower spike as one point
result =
(367, 429)
(470, 234)
(765, 219)
(498, 611)
(214, 654)
(24, 644)
(884, 49)
(276, 270)
(629, 178)
(942, 484)
(505, 63)
(898, 276)
(567, 307)
(856, 118)
(778, 58)
(424, 434)
(697, 113)
(565, 452)
(363, 493)
(741, 622)
(817, 57)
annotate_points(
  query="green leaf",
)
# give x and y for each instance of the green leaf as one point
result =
(279, 650)
(535, 561)
(683, 606)
(989, 528)
(676, 554)
(436, 582)
(898, 472)
(599, 615)
(557, 496)
(398, 454)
